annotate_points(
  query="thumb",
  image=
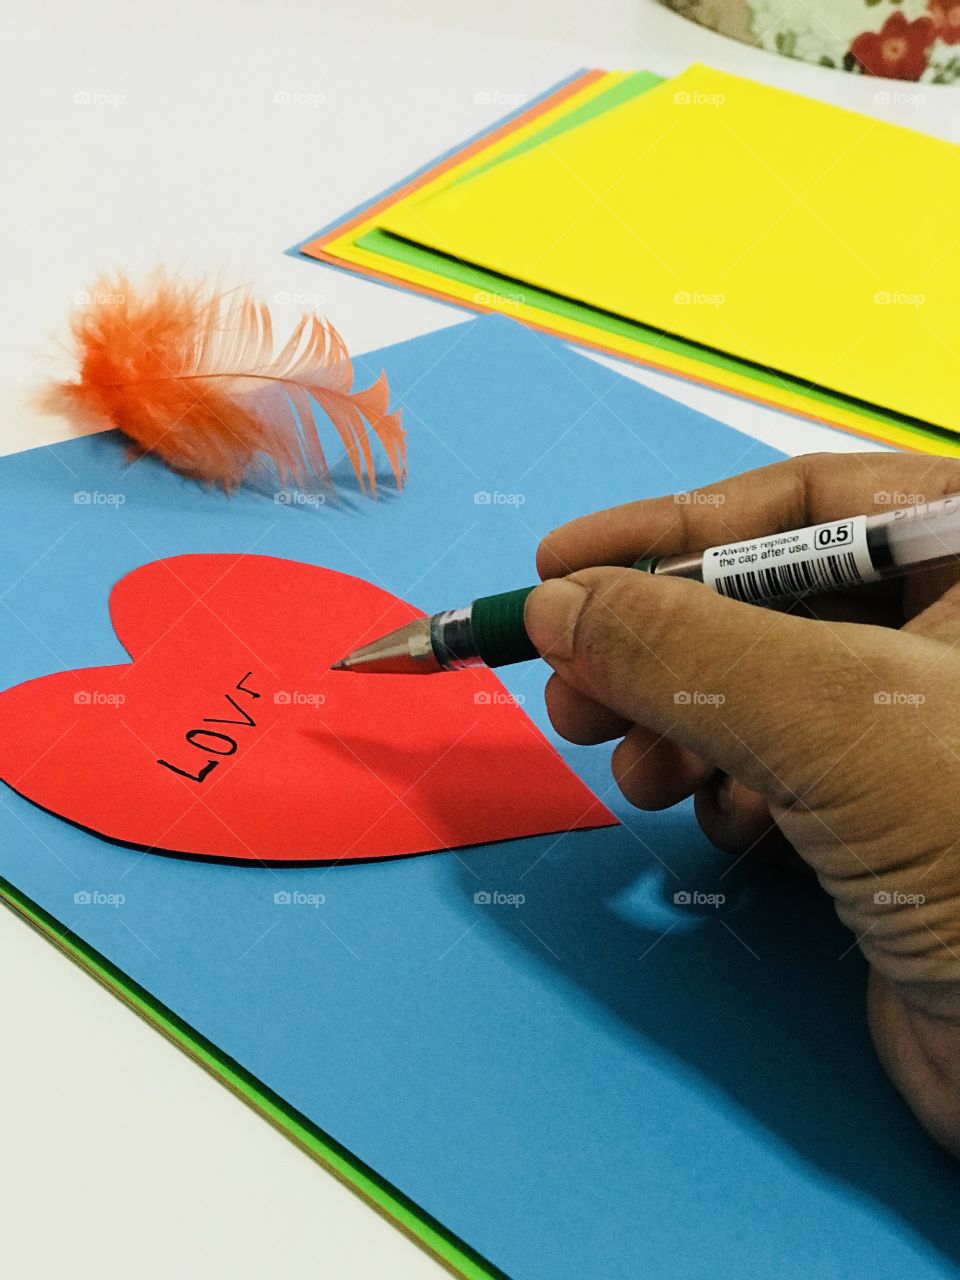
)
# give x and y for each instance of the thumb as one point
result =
(742, 687)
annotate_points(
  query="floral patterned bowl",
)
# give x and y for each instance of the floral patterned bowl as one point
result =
(905, 40)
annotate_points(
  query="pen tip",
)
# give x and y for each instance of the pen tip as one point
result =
(339, 666)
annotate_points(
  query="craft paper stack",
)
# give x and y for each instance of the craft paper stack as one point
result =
(707, 226)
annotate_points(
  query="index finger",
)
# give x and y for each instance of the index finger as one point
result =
(786, 495)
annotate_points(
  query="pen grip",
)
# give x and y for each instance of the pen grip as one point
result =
(499, 633)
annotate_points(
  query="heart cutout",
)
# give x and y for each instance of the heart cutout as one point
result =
(227, 736)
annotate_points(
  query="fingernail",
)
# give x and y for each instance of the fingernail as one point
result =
(551, 614)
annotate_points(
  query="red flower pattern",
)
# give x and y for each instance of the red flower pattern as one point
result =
(945, 15)
(899, 48)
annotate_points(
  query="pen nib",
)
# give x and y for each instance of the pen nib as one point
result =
(406, 651)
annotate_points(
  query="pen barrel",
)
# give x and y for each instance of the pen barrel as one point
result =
(828, 556)
(682, 566)
(499, 634)
(923, 536)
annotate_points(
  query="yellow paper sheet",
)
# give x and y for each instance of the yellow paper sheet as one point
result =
(343, 247)
(742, 217)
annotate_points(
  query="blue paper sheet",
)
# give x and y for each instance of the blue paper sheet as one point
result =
(594, 1083)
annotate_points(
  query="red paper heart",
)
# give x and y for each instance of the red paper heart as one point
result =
(227, 736)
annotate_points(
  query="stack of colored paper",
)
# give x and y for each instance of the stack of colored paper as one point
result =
(707, 226)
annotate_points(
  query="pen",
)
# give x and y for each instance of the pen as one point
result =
(798, 562)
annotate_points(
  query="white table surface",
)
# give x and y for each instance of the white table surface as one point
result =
(144, 131)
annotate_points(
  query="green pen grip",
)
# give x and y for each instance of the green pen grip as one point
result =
(499, 633)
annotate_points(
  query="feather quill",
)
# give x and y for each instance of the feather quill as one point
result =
(189, 374)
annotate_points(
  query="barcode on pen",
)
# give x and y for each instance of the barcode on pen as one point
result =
(793, 579)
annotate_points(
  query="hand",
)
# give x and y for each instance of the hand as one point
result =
(832, 728)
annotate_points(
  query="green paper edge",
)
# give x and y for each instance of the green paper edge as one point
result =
(379, 1194)
(386, 245)
(624, 91)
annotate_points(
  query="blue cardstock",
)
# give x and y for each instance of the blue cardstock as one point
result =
(579, 1077)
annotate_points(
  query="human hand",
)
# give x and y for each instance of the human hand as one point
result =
(830, 728)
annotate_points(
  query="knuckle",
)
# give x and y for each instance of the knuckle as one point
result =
(946, 477)
(631, 623)
(810, 472)
(646, 614)
(819, 460)
(664, 614)
(546, 559)
(610, 623)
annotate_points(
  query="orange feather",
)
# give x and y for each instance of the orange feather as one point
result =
(189, 374)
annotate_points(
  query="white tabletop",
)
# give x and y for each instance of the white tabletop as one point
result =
(151, 132)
